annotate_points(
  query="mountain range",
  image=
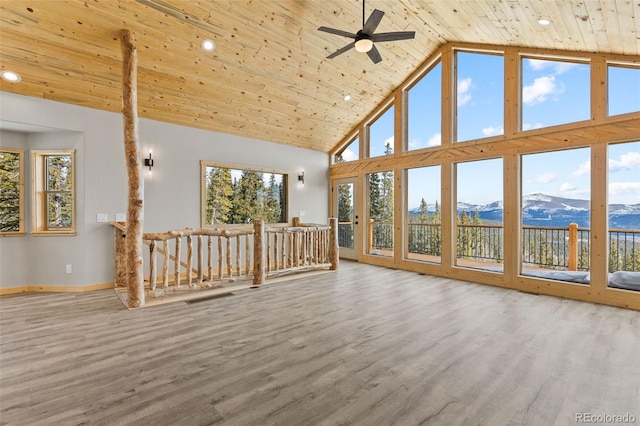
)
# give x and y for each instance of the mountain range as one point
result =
(547, 210)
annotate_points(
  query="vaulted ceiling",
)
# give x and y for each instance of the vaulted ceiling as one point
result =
(268, 77)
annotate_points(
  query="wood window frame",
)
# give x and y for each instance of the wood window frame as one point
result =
(21, 228)
(39, 181)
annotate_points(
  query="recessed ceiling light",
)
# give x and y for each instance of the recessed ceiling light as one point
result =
(347, 98)
(544, 21)
(10, 76)
(208, 45)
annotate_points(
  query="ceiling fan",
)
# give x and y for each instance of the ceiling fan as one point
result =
(365, 38)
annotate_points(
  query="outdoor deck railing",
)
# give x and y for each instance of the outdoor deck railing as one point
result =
(548, 247)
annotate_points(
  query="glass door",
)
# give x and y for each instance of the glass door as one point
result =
(345, 208)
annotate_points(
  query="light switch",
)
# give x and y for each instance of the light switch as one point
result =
(102, 217)
(121, 217)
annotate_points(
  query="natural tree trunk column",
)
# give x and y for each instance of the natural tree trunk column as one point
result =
(133, 238)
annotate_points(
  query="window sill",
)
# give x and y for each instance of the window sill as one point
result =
(53, 233)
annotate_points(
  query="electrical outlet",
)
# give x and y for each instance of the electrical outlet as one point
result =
(121, 217)
(301, 213)
(69, 269)
(102, 217)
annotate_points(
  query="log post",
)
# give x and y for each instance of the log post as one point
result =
(258, 252)
(133, 238)
(573, 246)
(333, 244)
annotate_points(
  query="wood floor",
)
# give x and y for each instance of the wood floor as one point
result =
(361, 346)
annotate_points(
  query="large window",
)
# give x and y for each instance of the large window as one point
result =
(425, 111)
(53, 192)
(554, 92)
(624, 215)
(380, 200)
(381, 134)
(624, 89)
(479, 225)
(556, 215)
(424, 225)
(235, 195)
(479, 95)
(11, 192)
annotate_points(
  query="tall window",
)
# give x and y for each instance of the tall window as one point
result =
(624, 215)
(233, 195)
(425, 110)
(54, 210)
(624, 89)
(381, 134)
(380, 229)
(479, 236)
(424, 234)
(554, 92)
(556, 200)
(11, 191)
(479, 95)
(350, 153)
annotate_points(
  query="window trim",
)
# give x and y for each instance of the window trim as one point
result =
(21, 231)
(39, 214)
(203, 189)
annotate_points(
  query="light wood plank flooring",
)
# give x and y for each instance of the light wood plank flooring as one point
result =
(361, 346)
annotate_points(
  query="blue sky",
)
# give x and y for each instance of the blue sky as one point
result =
(554, 92)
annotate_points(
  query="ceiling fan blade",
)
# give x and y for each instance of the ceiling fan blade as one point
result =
(337, 32)
(342, 50)
(373, 21)
(374, 55)
(398, 35)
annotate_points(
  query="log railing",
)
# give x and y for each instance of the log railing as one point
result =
(201, 258)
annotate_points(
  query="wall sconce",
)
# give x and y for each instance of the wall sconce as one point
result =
(148, 162)
(301, 177)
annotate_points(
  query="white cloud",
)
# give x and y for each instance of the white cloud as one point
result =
(493, 131)
(348, 155)
(622, 188)
(583, 169)
(546, 177)
(557, 66)
(464, 86)
(529, 126)
(539, 90)
(435, 140)
(567, 187)
(415, 143)
(630, 160)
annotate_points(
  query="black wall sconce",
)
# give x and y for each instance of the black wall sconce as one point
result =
(301, 177)
(148, 162)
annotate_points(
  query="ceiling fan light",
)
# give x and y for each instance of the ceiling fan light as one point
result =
(364, 45)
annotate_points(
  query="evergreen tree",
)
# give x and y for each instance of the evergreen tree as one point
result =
(219, 195)
(59, 200)
(248, 198)
(9, 192)
(424, 214)
(375, 203)
(272, 209)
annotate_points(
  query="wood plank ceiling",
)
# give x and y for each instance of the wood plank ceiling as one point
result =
(268, 77)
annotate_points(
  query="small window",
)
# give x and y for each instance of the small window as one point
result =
(53, 192)
(11, 192)
(624, 89)
(381, 134)
(554, 92)
(237, 195)
(350, 153)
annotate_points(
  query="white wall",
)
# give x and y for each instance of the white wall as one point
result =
(172, 190)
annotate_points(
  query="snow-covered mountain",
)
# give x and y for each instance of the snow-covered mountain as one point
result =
(547, 210)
